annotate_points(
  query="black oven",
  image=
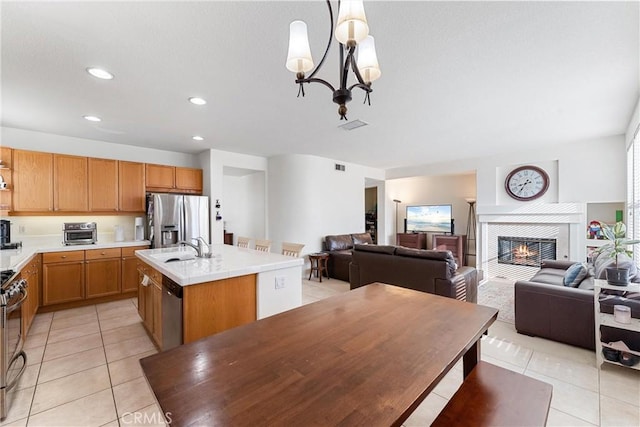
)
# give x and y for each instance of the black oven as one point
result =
(13, 359)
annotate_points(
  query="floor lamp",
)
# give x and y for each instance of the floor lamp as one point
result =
(396, 201)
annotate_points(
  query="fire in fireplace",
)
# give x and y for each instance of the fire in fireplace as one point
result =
(527, 251)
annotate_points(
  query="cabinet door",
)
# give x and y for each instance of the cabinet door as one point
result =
(32, 181)
(103, 185)
(102, 277)
(6, 163)
(131, 187)
(70, 189)
(129, 274)
(160, 176)
(148, 307)
(157, 313)
(63, 282)
(189, 179)
(142, 302)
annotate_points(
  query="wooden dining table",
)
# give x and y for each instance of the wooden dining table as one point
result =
(366, 357)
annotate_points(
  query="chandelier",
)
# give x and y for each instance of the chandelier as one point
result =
(351, 31)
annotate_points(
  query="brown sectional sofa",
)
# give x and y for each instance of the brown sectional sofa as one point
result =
(429, 271)
(339, 248)
(544, 307)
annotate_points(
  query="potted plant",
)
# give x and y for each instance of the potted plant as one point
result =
(618, 245)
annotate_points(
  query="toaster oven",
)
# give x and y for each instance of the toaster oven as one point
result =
(79, 233)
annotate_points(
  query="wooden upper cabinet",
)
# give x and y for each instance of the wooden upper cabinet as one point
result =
(6, 163)
(33, 181)
(131, 187)
(160, 176)
(70, 189)
(189, 179)
(103, 185)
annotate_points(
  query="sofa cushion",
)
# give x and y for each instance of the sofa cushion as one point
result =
(382, 249)
(362, 239)
(429, 254)
(550, 276)
(339, 242)
(575, 274)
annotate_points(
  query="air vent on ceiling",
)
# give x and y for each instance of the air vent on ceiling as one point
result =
(340, 167)
(354, 124)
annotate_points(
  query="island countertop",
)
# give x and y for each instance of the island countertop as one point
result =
(226, 261)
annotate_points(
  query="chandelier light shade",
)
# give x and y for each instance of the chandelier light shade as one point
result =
(352, 32)
(299, 59)
(352, 25)
(368, 60)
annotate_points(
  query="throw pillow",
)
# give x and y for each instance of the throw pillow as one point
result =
(575, 274)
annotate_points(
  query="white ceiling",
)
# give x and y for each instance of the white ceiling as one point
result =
(459, 79)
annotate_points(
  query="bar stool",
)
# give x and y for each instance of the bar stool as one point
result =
(292, 249)
(263, 245)
(319, 263)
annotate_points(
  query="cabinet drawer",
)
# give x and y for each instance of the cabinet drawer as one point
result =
(103, 253)
(66, 256)
(129, 251)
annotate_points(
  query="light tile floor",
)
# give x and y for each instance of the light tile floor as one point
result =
(83, 370)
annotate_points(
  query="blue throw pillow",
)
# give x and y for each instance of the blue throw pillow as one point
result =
(575, 274)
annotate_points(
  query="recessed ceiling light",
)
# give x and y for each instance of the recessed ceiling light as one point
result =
(100, 73)
(92, 118)
(197, 138)
(197, 101)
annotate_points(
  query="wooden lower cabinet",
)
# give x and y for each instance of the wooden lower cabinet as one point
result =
(102, 277)
(129, 270)
(150, 301)
(62, 282)
(31, 273)
(69, 276)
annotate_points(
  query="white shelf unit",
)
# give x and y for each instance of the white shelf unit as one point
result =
(607, 319)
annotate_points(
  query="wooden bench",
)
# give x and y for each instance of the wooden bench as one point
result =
(494, 396)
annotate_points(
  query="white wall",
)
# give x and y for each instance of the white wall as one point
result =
(50, 143)
(633, 124)
(309, 199)
(432, 190)
(214, 163)
(244, 205)
(587, 171)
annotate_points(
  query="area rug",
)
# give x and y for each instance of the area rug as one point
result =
(498, 294)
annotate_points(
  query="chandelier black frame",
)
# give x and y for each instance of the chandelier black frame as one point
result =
(342, 95)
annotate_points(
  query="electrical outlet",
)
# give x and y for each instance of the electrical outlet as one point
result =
(280, 282)
(21, 229)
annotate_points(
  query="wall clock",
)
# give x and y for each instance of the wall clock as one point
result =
(526, 183)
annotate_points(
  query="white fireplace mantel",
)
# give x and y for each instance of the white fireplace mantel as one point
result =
(572, 215)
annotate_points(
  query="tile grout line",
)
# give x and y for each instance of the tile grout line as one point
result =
(106, 360)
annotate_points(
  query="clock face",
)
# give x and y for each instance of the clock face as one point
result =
(526, 183)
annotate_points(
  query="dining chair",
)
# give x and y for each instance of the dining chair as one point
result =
(292, 249)
(263, 245)
(243, 242)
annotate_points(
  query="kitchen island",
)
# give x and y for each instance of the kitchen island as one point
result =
(233, 287)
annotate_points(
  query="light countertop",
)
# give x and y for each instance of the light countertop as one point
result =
(227, 261)
(16, 259)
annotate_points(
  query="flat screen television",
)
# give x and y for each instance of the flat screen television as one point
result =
(429, 218)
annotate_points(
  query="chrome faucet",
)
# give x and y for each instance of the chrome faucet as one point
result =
(200, 247)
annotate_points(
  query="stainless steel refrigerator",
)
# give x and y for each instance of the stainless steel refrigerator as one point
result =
(172, 218)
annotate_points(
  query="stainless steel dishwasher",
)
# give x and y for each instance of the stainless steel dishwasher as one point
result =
(171, 314)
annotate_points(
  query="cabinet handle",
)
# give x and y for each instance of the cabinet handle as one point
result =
(101, 253)
(63, 256)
